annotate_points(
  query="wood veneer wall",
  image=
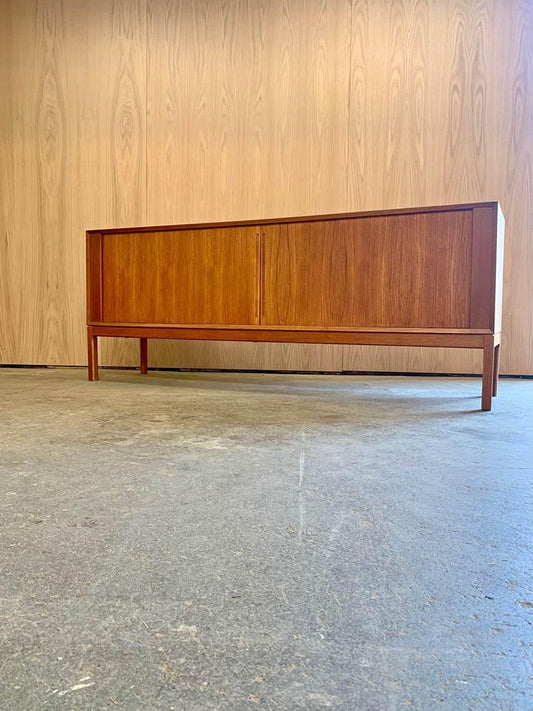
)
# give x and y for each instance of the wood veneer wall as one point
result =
(129, 112)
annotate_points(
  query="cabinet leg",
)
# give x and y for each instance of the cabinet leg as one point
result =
(488, 375)
(144, 355)
(496, 370)
(92, 359)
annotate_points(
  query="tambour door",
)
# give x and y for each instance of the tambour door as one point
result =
(407, 270)
(192, 276)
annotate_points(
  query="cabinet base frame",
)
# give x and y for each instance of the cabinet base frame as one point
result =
(425, 338)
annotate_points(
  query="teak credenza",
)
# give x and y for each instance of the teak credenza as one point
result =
(428, 276)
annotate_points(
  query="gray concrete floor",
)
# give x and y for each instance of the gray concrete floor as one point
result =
(227, 541)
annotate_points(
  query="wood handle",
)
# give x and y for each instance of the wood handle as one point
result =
(258, 277)
(261, 276)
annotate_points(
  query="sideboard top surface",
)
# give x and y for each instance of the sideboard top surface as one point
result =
(299, 218)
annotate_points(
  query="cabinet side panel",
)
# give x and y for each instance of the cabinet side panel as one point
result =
(94, 277)
(385, 271)
(484, 237)
(205, 276)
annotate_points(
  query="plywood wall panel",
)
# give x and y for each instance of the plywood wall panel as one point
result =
(466, 110)
(431, 99)
(75, 149)
(48, 119)
(359, 103)
(8, 339)
(126, 112)
(400, 64)
(111, 123)
(123, 63)
(411, 360)
(515, 162)
(247, 118)
(250, 356)
(35, 142)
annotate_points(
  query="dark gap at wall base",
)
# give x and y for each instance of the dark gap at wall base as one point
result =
(331, 372)
(272, 372)
(22, 365)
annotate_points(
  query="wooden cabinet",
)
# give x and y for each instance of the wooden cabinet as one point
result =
(423, 277)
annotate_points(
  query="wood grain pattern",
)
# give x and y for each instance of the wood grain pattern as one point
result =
(465, 165)
(246, 356)
(514, 156)
(359, 106)
(8, 313)
(60, 136)
(39, 180)
(266, 110)
(435, 92)
(400, 65)
(119, 112)
(388, 272)
(126, 128)
(208, 276)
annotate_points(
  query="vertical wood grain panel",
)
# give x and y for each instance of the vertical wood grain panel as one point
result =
(77, 160)
(127, 90)
(391, 119)
(109, 108)
(125, 126)
(359, 106)
(514, 158)
(248, 118)
(51, 147)
(433, 97)
(372, 272)
(8, 233)
(467, 125)
(106, 45)
(204, 276)
(401, 65)
(37, 245)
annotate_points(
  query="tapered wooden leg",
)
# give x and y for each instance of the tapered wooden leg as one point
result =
(488, 374)
(92, 355)
(144, 356)
(496, 370)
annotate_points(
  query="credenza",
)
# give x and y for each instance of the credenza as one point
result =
(429, 276)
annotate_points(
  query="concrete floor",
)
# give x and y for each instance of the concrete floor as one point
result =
(225, 541)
